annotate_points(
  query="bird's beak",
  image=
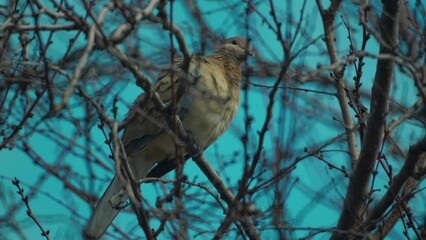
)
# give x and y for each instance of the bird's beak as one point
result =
(250, 52)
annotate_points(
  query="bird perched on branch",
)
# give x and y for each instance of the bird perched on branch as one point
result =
(206, 109)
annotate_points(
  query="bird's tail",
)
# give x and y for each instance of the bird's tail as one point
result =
(108, 207)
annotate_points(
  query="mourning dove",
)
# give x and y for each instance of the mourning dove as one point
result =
(206, 110)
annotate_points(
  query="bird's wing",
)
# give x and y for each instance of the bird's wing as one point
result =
(145, 121)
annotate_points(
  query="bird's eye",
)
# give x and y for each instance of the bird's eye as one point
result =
(234, 42)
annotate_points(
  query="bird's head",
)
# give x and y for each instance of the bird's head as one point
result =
(238, 47)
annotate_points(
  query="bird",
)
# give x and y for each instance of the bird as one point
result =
(206, 108)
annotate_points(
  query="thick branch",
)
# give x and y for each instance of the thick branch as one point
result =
(396, 185)
(226, 195)
(329, 37)
(356, 195)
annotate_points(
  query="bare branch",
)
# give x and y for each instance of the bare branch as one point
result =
(328, 17)
(355, 197)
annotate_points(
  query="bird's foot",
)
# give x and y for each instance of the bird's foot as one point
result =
(192, 147)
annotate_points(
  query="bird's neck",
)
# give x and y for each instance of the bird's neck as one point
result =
(231, 65)
(228, 56)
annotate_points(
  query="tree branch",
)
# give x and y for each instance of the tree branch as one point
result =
(328, 16)
(356, 196)
(396, 185)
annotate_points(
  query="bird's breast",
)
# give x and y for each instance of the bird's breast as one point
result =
(213, 105)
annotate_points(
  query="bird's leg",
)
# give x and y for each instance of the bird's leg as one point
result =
(192, 147)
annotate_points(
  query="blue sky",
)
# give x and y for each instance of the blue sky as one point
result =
(312, 175)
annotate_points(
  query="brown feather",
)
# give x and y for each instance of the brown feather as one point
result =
(206, 110)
